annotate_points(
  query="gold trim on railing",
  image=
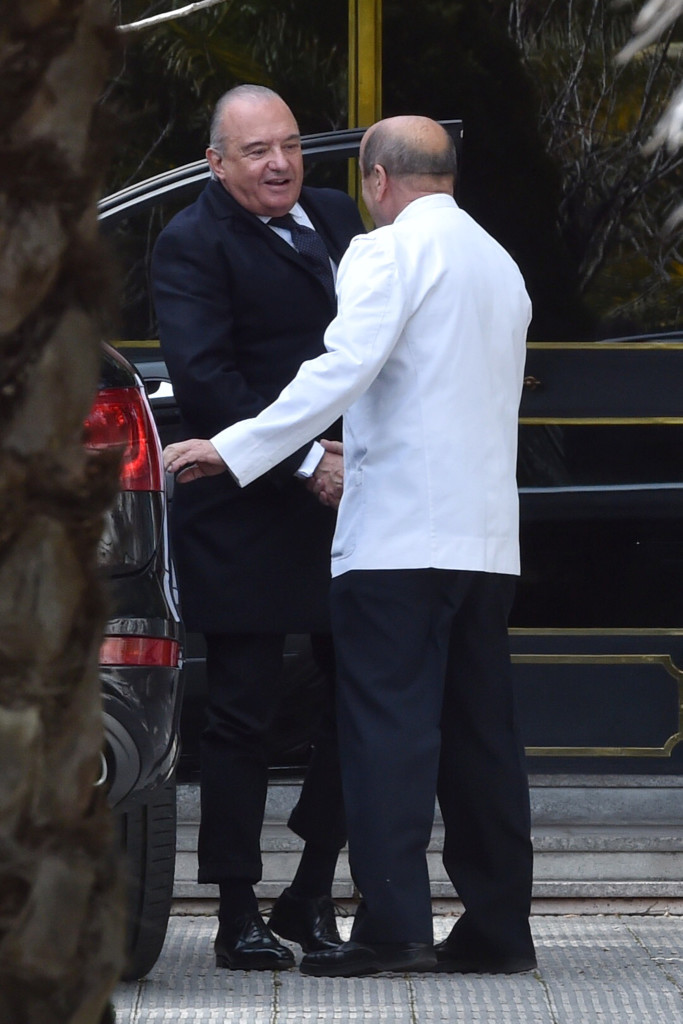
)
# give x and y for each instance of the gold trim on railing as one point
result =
(665, 751)
(587, 421)
(663, 660)
(602, 346)
(152, 343)
(592, 631)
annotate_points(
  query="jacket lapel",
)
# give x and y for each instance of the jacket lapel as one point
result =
(242, 222)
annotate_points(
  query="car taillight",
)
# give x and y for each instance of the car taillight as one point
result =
(121, 418)
(139, 650)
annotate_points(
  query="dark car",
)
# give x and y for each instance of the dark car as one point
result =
(597, 627)
(140, 657)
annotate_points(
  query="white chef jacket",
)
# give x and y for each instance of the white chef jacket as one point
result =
(425, 359)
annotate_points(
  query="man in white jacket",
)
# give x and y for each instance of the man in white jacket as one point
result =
(425, 359)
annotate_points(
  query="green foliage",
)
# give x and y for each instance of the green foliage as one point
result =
(303, 45)
(194, 51)
(596, 117)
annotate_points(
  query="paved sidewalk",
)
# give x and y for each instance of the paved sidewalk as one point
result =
(625, 969)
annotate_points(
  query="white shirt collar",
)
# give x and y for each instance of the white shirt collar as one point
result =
(435, 200)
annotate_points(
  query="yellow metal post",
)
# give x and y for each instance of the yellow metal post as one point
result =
(365, 72)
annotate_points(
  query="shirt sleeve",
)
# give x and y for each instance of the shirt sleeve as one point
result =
(311, 462)
(373, 309)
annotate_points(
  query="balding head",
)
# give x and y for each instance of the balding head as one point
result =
(402, 159)
(409, 146)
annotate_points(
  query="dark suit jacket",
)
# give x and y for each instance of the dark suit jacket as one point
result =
(239, 311)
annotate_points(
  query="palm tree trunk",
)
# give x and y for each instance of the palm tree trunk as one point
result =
(61, 927)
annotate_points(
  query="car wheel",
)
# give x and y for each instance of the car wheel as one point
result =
(149, 840)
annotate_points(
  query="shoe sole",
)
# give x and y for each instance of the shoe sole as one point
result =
(465, 967)
(376, 967)
(330, 972)
(253, 964)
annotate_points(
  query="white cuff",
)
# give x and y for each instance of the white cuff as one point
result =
(311, 462)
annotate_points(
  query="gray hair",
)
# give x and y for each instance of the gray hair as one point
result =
(403, 157)
(216, 134)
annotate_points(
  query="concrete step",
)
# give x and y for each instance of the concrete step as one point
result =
(594, 838)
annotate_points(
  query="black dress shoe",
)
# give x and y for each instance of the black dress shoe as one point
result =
(451, 960)
(310, 922)
(254, 949)
(352, 959)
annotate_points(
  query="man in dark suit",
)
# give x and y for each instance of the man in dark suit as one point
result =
(240, 308)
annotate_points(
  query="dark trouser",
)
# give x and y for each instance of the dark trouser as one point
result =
(243, 674)
(424, 700)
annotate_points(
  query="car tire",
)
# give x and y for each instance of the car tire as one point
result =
(148, 834)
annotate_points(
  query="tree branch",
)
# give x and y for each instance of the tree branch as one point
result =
(158, 19)
(650, 25)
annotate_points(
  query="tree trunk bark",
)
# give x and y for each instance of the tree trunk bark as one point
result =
(61, 912)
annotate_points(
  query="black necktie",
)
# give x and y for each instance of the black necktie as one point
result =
(310, 245)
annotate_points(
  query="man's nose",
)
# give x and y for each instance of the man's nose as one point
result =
(278, 157)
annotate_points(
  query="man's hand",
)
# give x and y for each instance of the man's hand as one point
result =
(192, 459)
(327, 483)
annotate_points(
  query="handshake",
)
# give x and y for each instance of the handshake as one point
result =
(190, 460)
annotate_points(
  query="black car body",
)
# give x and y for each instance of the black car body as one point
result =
(140, 656)
(597, 628)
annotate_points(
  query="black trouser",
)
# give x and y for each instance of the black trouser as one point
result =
(243, 674)
(424, 700)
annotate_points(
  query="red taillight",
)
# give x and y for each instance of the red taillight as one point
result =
(121, 418)
(139, 650)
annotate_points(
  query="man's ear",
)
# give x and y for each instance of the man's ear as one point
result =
(380, 180)
(215, 161)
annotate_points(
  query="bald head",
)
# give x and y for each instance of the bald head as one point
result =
(409, 146)
(402, 159)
